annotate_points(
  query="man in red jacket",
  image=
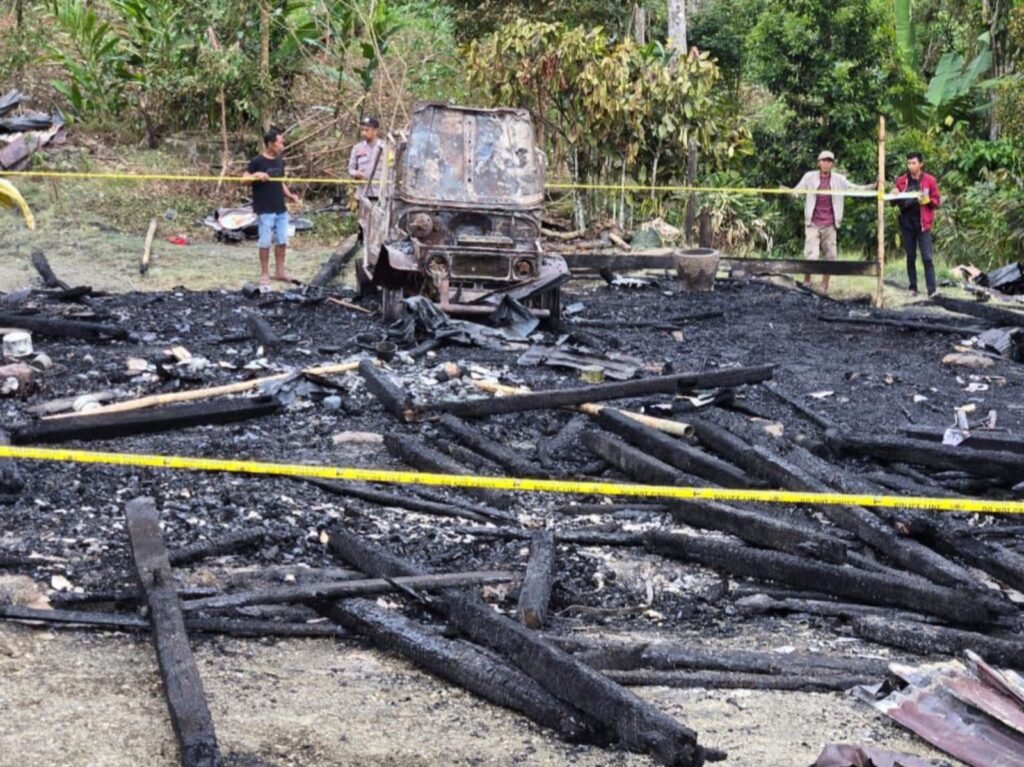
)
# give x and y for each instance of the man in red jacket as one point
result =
(917, 215)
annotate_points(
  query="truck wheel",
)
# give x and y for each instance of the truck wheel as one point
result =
(391, 304)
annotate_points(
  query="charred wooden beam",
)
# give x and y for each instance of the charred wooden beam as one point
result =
(671, 656)
(668, 322)
(846, 582)
(392, 397)
(863, 523)
(631, 461)
(42, 265)
(151, 421)
(422, 456)
(316, 592)
(991, 314)
(221, 544)
(998, 464)
(926, 327)
(765, 604)
(411, 502)
(638, 725)
(543, 400)
(490, 449)
(262, 332)
(815, 418)
(927, 639)
(579, 537)
(975, 440)
(766, 530)
(60, 328)
(238, 627)
(535, 592)
(332, 267)
(675, 451)
(183, 688)
(465, 665)
(826, 681)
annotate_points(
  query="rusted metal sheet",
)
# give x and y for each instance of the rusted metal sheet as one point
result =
(478, 158)
(848, 755)
(958, 713)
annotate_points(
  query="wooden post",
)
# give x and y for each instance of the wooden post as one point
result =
(880, 288)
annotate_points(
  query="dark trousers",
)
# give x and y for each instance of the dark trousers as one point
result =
(913, 238)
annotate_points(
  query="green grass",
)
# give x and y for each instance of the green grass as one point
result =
(93, 231)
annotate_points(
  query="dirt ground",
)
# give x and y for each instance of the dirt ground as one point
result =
(80, 699)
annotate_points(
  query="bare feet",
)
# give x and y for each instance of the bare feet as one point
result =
(283, 278)
(264, 280)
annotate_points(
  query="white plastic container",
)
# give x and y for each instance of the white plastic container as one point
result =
(17, 344)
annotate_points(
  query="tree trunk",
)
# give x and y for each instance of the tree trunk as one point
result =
(639, 24)
(677, 28)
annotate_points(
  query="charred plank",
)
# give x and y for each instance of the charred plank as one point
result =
(238, 627)
(221, 544)
(980, 440)
(675, 451)
(315, 592)
(928, 639)
(464, 664)
(262, 332)
(991, 314)
(390, 395)
(60, 328)
(490, 449)
(543, 400)
(535, 593)
(183, 688)
(997, 464)
(844, 582)
(422, 456)
(332, 267)
(150, 421)
(826, 681)
(631, 461)
(410, 502)
(639, 726)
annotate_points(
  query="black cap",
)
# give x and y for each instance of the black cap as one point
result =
(369, 122)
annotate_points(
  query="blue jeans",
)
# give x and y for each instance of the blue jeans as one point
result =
(275, 224)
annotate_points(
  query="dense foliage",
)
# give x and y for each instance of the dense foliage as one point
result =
(774, 82)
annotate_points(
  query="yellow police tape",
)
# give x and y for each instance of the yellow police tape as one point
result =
(356, 182)
(507, 483)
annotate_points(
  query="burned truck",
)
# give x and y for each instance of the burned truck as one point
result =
(453, 212)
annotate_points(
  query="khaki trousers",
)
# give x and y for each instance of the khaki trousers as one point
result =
(820, 241)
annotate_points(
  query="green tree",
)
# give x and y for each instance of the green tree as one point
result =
(832, 67)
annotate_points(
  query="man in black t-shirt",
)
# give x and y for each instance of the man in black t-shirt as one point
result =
(268, 204)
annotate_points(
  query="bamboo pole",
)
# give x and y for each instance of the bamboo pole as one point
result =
(196, 394)
(880, 287)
